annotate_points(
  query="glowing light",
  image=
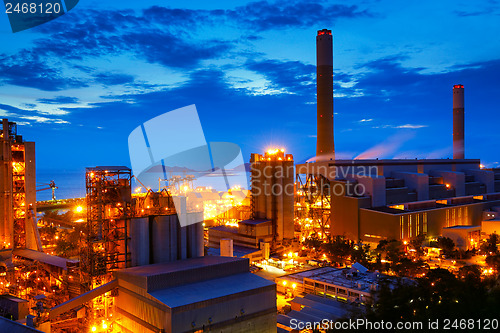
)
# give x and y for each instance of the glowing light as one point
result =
(94, 328)
(284, 283)
(448, 185)
(294, 285)
(79, 209)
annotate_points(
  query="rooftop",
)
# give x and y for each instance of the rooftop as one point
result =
(478, 227)
(13, 327)
(209, 289)
(171, 274)
(254, 222)
(352, 278)
(112, 168)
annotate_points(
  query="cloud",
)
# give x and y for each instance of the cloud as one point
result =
(293, 77)
(364, 120)
(28, 117)
(95, 33)
(410, 126)
(405, 126)
(58, 100)
(29, 70)
(264, 15)
(111, 79)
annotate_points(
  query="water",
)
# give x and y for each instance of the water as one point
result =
(71, 184)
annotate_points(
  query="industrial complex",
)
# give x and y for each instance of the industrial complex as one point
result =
(132, 267)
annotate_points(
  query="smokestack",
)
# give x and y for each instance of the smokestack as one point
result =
(458, 122)
(325, 148)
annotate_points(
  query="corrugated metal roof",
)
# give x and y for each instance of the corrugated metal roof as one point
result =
(170, 274)
(10, 326)
(254, 222)
(210, 289)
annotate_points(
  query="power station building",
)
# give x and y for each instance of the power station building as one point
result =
(370, 200)
(195, 295)
(384, 199)
(17, 190)
(272, 207)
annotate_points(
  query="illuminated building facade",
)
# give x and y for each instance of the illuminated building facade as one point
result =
(17, 190)
(400, 199)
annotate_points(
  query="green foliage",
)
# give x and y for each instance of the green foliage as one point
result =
(439, 295)
(494, 261)
(361, 253)
(416, 244)
(408, 267)
(312, 242)
(393, 249)
(446, 244)
(490, 246)
(338, 248)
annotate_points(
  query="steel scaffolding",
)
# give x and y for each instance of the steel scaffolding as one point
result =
(106, 238)
(19, 195)
(314, 203)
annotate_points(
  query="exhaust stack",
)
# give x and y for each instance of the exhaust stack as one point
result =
(458, 122)
(325, 148)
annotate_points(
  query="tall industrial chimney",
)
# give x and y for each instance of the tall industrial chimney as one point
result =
(325, 148)
(458, 122)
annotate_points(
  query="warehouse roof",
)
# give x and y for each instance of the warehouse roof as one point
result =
(255, 221)
(171, 274)
(209, 289)
(13, 327)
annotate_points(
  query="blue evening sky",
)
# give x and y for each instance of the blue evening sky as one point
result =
(79, 85)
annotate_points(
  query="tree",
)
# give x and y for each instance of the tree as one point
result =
(438, 295)
(338, 248)
(416, 244)
(446, 244)
(490, 246)
(470, 272)
(393, 249)
(360, 253)
(410, 268)
(312, 242)
(494, 262)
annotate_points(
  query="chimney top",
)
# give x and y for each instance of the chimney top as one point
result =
(324, 32)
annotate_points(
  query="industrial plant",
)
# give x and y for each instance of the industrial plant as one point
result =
(128, 265)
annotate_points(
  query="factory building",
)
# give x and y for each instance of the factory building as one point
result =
(272, 208)
(384, 199)
(370, 200)
(201, 294)
(273, 191)
(17, 190)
